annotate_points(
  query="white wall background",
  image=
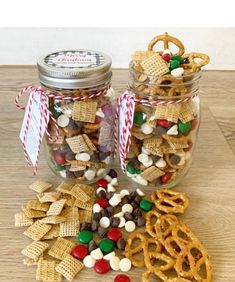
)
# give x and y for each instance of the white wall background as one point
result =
(22, 46)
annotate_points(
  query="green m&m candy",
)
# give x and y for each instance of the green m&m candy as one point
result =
(146, 205)
(55, 110)
(139, 171)
(58, 167)
(130, 169)
(184, 128)
(177, 58)
(106, 245)
(139, 118)
(174, 64)
(85, 236)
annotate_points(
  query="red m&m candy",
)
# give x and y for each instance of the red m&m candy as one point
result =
(114, 234)
(102, 202)
(122, 278)
(102, 183)
(79, 252)
(59, 158)
(166, 177)
(102, 266)
(164, 123)
(166, 57)
(193, 123)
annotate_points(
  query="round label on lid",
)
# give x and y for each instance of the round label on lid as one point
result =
(75, 59)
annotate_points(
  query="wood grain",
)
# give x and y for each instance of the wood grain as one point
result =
(209, 183)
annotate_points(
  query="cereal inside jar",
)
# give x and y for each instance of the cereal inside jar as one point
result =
(164, 85)
(81, 100)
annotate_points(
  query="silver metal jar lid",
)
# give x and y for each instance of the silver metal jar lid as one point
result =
(73, 69)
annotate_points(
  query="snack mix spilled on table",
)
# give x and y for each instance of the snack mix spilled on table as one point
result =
(163, 135)
(78, 226)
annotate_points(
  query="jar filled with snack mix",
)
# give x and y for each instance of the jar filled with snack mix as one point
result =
(163, 87)
(81, 100)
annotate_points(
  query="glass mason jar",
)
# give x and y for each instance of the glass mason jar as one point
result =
(81, 99)
(165, 127)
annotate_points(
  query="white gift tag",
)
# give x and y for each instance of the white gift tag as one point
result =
(34, 126)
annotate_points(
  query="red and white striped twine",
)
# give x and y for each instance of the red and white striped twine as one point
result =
(124, 146)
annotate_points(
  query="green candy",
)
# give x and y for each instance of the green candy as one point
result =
(106, 246)
(139, 171)
(140, 118)
(146, 205)
(184, 128)
(55, 110)
(177, 58)
(58, 167)
(174, 64)
(130, 169)
(85, 236)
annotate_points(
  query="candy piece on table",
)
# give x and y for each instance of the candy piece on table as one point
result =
(89, 261)
(146, 128)
(85, 226)
(122, 278)
(115, 221)
(139, 118)
(173, 130)
(125, 264)
(130, 169)
(112, 173)
(174, 64)
(59, 158)
(166, 57)
(96, 208)
(114, 234)
(114, 181)
(110, 188)
(104, 222)
(102, 231)
(58, 167)
(122, 222)
(92, 246)
(106, 245)
(79, 252)
(128, 216)
(108, 178)
(161, 163)
(146, 205)
(97, 254)
(102, 266)
(140, 180)
(99, 190)
(109, 256)
(115, 200)
(127, 208)
(103, 202)
(124, 192)
(94, 225)
(178, 72)
(85, 236)
(166, 177)
(119, 214)
(85, 157)
(121, 244)
(140, 192)
(63, 121)
(102, 183)
(140, 222)
(184, 128)
(164, 122)
(130, 226)
(115, 263)
(90, 174)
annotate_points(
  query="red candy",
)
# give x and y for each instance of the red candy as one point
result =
(59, 158)
(102, 202)
(97, 119)
(122, 278)
(79, 252)
(102, 266)
(190, 145)
(166, 57)
(164, 123)
(114, 234)
(166, 177)
(102, 183)
(193, 124)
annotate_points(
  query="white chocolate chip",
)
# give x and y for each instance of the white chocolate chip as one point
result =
(160, 163)
(107, 160)
(109, 256)
(96, 254)
(146, 128)
(110, 188)
(119, 214)
(130, 226)
(127, 208)
(104, 222)
(63, 120)
(148, 163)
(96, 208)
(89, 261)
(125, 264)
(143, 158)
(99, 113)
(90, 174)
(124, 192)
(115, 263)
(141, 180)
(114, 181)
(115, 200)
(100, 189)
(122, 222)
(100, 171)
(108, 178)
(145, 151)
(128, 174)
(140, 192)
(177, 72)
(63, 173)
(173, 130)
(85, 157)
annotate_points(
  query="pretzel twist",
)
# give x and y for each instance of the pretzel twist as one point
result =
(192, 64)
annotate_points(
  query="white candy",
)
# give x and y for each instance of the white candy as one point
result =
(173, 130)
(96, 208)
(140, 192)
(166, 51)
(160, 163)
(141, 180)
(128, 174)
(148, 163)
(109, 256)
(67, 109)
(143, 158)
(90, 174)
(100, 189)
(146, 128)
(97, 254)
(108, 178)
(144, 150)
(125, 264)
(181, 162)
(119, 214)
(100, 171)
(152, 118)
(89, 261)
(177, 72)
(115, 263)
(114, 181)
(63, 120)
(104, 222)
(85, 157)
(127, 208)
(99, 113)
(122, 222)
(130, 226)
(124, 192)
(107, 160)
(63, 173)
(110, 188)
(115, 200)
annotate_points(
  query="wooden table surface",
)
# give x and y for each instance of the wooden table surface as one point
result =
(210, 183)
